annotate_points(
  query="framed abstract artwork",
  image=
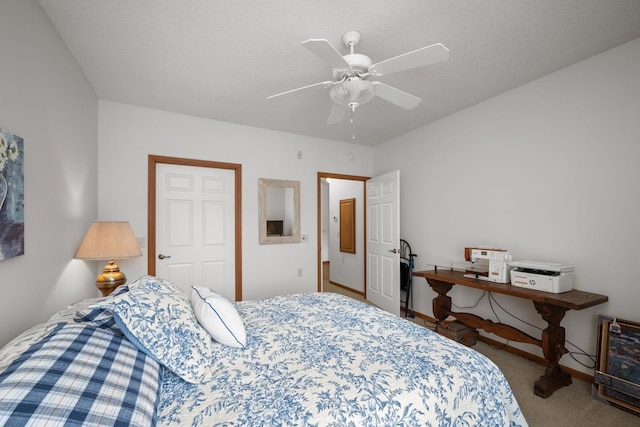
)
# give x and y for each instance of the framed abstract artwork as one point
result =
(11, 195)
(617, 376)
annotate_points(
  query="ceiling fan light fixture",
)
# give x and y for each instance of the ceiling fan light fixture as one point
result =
(352, 90)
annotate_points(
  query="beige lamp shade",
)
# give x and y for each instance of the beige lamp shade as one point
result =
(109, 241)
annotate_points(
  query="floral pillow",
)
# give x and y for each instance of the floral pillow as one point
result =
(219, 317)
(158, 319)
(119, 290)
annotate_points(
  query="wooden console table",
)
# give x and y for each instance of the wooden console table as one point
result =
(552, 307)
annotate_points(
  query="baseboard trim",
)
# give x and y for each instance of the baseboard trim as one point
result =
(534, 358)
(347, 288)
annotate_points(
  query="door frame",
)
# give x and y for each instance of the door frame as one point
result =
(363, 179)
(151, 209)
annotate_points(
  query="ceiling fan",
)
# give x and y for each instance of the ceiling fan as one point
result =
(351, 86)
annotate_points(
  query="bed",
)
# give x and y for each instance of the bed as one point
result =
(149, 354)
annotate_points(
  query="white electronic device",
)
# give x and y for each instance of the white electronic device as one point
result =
(498, 264)
(542, 276)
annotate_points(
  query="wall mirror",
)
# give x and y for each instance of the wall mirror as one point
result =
(279, 204)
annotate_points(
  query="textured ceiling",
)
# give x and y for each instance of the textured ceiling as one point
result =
(221, 59)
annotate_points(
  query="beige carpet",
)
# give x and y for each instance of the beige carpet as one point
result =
(568, 407)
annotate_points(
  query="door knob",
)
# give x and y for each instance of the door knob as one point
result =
(163, 256)
(393, 251)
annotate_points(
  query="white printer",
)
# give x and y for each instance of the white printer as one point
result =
(542, 276)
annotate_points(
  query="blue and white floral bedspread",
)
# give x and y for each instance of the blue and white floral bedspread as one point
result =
(327, 360)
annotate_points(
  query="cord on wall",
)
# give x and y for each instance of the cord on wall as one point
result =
(492, 299)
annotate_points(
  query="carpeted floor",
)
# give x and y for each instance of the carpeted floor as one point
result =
(568, 407)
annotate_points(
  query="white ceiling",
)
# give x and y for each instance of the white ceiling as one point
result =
(220, 59)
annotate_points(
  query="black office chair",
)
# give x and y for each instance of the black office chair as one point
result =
(406, 280)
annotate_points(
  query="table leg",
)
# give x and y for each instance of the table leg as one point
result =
(553, 349)
(442, 303)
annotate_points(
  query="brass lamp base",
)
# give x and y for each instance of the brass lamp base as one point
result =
(110, 278)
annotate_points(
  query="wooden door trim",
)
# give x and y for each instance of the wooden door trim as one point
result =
(364, 180)
(151, 209)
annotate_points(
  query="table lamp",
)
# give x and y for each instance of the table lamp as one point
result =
(109, 240)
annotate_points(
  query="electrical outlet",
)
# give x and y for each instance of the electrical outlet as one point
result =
(140, 241)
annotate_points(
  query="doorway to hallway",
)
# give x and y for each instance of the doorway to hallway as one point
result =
(345, 269)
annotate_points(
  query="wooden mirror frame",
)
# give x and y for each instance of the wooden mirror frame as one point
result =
(263, 186)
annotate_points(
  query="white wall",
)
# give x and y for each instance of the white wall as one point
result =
(128, 134)
(46, 100)
(549, 171)
(346, 269)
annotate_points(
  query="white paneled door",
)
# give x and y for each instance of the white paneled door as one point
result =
(195, 223)
(383, 241)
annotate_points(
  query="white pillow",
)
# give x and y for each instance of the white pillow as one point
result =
(218, 317)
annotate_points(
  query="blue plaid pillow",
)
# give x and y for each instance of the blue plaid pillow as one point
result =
(97, 317)
(100, 317)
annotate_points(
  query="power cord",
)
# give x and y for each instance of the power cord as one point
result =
(474, 305)
(572, 354)
(492, 299)
(506, 343)
(494, 312)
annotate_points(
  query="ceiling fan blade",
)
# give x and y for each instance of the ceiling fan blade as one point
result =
(417, 58)
(337, 113)
(325, 84)
(325, 50)
(396, 96)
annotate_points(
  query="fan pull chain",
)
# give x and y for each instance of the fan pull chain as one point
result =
(353, 126)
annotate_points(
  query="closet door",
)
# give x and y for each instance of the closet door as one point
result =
(195, 227)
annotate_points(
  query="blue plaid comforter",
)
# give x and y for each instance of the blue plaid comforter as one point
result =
(80, 375)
